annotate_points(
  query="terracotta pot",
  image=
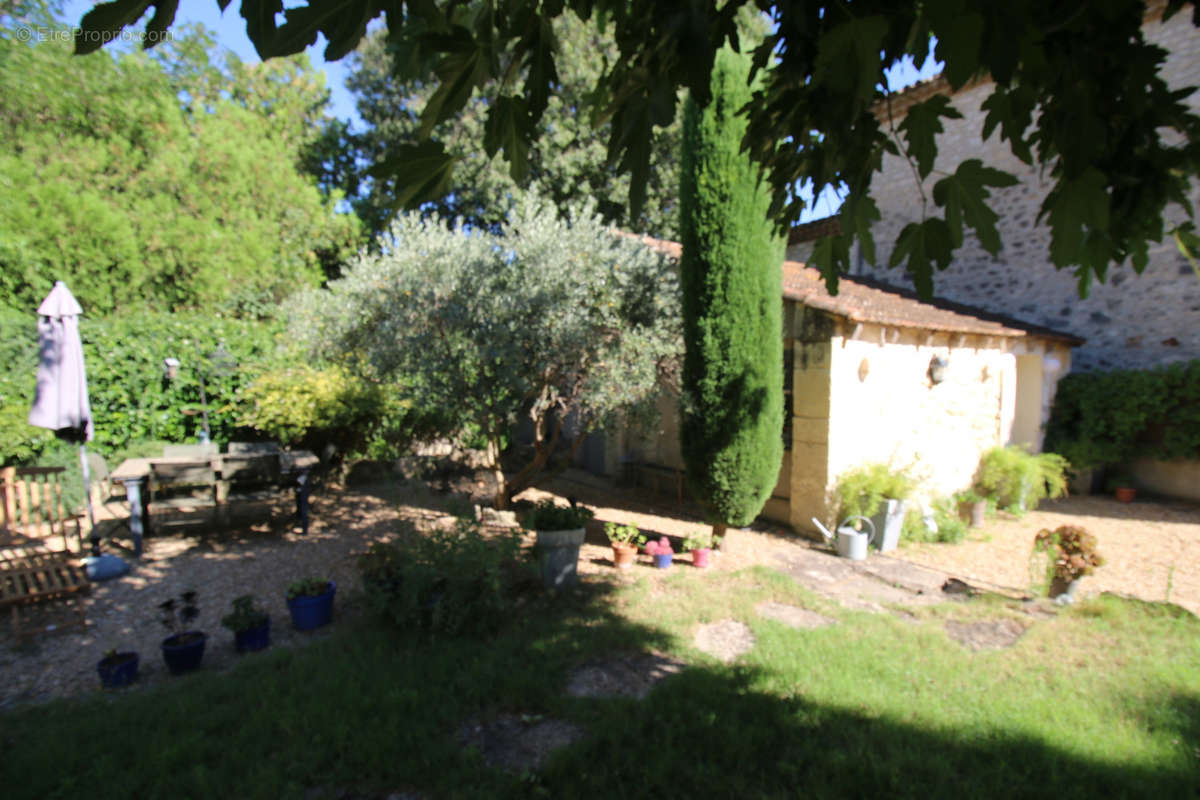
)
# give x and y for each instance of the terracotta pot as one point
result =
(1125, 494)
(700, 557)
(624, 555)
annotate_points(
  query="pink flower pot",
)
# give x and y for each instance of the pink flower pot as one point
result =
(700, 557)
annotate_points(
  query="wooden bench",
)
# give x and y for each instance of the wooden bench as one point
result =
(30, 575)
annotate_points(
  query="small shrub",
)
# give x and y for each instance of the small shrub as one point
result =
(176, 614)
(318, 408)
(449, 582)
(307, 587)
(1018, 480)
(549, 516)
(863, 490)
(246, 615)
(949, 525)
(698, 540)
(623, 534)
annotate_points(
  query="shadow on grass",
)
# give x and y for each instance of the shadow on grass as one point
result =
(373, 711)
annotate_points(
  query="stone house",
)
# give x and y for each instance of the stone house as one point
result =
(1130, 321)
(875, 375)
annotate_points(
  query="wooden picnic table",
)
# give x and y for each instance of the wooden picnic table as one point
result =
(134, 473)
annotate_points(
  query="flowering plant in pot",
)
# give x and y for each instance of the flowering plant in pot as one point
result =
(662, 552)
(1121, 485)
(1072, 554)
(183, 650)
(560, 531)
(117, 669)
(310, 602)
(250, 623)
(625, 540)
(701, 544)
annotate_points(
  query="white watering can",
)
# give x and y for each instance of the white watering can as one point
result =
(849, 543)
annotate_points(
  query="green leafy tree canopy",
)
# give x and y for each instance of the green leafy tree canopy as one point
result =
(565, 161)
(557, 320)
(141, 188)
(1077, 91)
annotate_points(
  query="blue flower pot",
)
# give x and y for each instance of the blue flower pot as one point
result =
(184, 657)
(118, 672)
(662, 561)
(253, 639)
(310, 612)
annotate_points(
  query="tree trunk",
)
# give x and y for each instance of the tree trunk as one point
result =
(493, 456)
(718, 535)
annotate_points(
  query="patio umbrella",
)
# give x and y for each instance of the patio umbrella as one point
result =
(61, 403)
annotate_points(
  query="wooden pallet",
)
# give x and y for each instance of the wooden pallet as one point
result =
(30, 575)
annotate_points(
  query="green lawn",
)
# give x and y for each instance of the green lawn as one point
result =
(1103, 700)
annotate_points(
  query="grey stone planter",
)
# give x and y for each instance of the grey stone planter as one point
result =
(559, 554)
(888, 521)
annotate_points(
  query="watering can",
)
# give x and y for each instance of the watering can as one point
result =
(849, 543)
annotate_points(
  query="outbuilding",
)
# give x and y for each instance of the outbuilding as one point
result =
(874, 374)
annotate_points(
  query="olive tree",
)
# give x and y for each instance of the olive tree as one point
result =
(554, 318)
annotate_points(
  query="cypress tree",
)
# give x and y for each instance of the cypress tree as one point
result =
(732, 407)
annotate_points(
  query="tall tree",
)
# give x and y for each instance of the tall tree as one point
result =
(138, 201)
(730, 273)
(566, 160)
(550, 318)
(1077, 91)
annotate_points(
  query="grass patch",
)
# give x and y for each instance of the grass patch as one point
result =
(1103, 700)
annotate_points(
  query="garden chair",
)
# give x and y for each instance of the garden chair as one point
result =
(32, 505)
(201, 450)
(250, 448)
(181, 491)
(32, 509)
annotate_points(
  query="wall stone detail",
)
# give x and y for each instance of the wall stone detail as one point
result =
(1129, 321)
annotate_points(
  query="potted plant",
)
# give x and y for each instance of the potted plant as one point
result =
(700, 543)
(1072, 555)
(117, 669)
(250, 623)
(1017, 480)
(1121, 485)
(662, 552)
(560, 531)
(625, 540)
(310, 602)
(972, 506)
(879, 493)
(183, 650)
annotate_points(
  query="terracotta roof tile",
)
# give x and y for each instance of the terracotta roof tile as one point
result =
(861, 299)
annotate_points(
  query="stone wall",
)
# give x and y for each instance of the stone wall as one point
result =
(1130, 321)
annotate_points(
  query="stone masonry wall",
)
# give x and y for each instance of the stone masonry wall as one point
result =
(1130, 321)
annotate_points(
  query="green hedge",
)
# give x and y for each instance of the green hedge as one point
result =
(131, 399)
(1111, 417)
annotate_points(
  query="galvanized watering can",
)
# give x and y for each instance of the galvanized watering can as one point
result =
(848, 542)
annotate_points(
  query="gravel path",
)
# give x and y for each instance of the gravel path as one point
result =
(1150, 548)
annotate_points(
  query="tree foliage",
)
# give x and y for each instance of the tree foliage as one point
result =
(1077, 92)
(565, 160)
(556, 320)
(732, 413)
(143, 186)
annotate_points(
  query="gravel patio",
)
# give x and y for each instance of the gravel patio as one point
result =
(1152, 551)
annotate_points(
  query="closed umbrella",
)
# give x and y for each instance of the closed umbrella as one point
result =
(61, 403)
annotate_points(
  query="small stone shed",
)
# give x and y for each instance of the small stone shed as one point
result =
(876, 375)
